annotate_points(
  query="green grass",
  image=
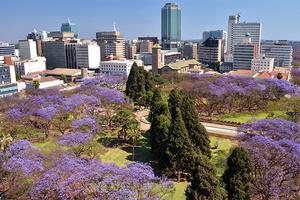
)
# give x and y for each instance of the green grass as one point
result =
(180, 191)
(243, 117)
(220, 154)
(49, 146)
(115, 155)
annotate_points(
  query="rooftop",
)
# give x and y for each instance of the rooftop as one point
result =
(63, 71)
(183, 63)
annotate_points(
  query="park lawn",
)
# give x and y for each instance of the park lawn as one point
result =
(243, 117)
(49, 146)
(116, 156)
(180, 191)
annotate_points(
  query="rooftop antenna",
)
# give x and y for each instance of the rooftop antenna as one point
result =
(114, 26)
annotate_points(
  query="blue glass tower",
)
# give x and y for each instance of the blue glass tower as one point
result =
(170, 26)
(69, 27)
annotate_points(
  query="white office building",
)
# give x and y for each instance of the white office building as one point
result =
(262, 64)
(88, 56)
(27, 49)
(7, 49)
(237, 31)
(118, 66)
(25, 67)
(280, 51)
(7, 74)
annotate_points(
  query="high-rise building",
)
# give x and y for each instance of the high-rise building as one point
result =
(237, 31)
(69, 27)
(244, 53)
(156, 58)
(190, 51)
(145, 46)
(130, 49)
(27, 49)
(38, 37)
(210, 51)
(70, 53)
(7, 49)
(170, 26)
(54, 51)
(88, 55)
(111, 43)
(281, 51)
(218, 34)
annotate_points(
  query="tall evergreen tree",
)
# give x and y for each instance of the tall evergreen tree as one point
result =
(196, 130)
(156, 98)
(149, 81)
(238, 175)
(132, 82)
(204, 182)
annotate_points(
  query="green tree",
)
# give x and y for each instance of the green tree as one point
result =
(36, 84)
(159, 117)
(178, 146)
(238, 175)
(196, 130)
(124, 119)
(204, 184)
(63, 78)
(134, 134)
(132, 82)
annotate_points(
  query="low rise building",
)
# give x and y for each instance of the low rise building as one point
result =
(118, 66)
(181, 66)
(28, 66)
(70, 74)
(262, 64)
(8, 89)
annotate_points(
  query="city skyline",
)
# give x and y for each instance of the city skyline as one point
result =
(92, 16)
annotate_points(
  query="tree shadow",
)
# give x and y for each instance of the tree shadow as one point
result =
(109, 142)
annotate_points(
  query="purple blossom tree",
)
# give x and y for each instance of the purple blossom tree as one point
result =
(86, 124)
(274, 146)
(75, 139)
(79, 178)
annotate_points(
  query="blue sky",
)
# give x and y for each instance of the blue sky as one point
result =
(280, 18)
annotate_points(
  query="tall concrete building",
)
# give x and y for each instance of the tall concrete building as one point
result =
(281, 51)
(190, 51)
(7, 49)
(27, 49)
(54, 51)
(38, 37)
(145, 46)
(111, 43)
(210, 51)
(70, 54)
(69, 27)
(244, 53)
(88, 56)
(156, 59)
(237, 31)
(218, 34)
(130, 49)
(170, 26)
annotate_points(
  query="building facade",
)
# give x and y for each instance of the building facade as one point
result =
(29, 66)
(130, 49)
(244, 53)
(69, 27)
(28, 49)
(170, 26)
(122, 67)
(190, 51)
(111, 43)
(210, 51)
(237, 31)
(88, 56)
(156, 59)
(262, 64)
(70, 54)
(7, 49)
(7, 74)
(54, 52)
(218, 34)
(281, 51)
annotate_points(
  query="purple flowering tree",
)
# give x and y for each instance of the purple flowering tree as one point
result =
(295, 73)
(274, 146)
(79, 178)
(225, 94)
(75, 139)
(86, 124)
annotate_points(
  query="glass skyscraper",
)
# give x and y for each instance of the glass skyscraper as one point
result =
(69, 27)
(170, 26)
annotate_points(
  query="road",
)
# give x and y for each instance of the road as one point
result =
(214, 129)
